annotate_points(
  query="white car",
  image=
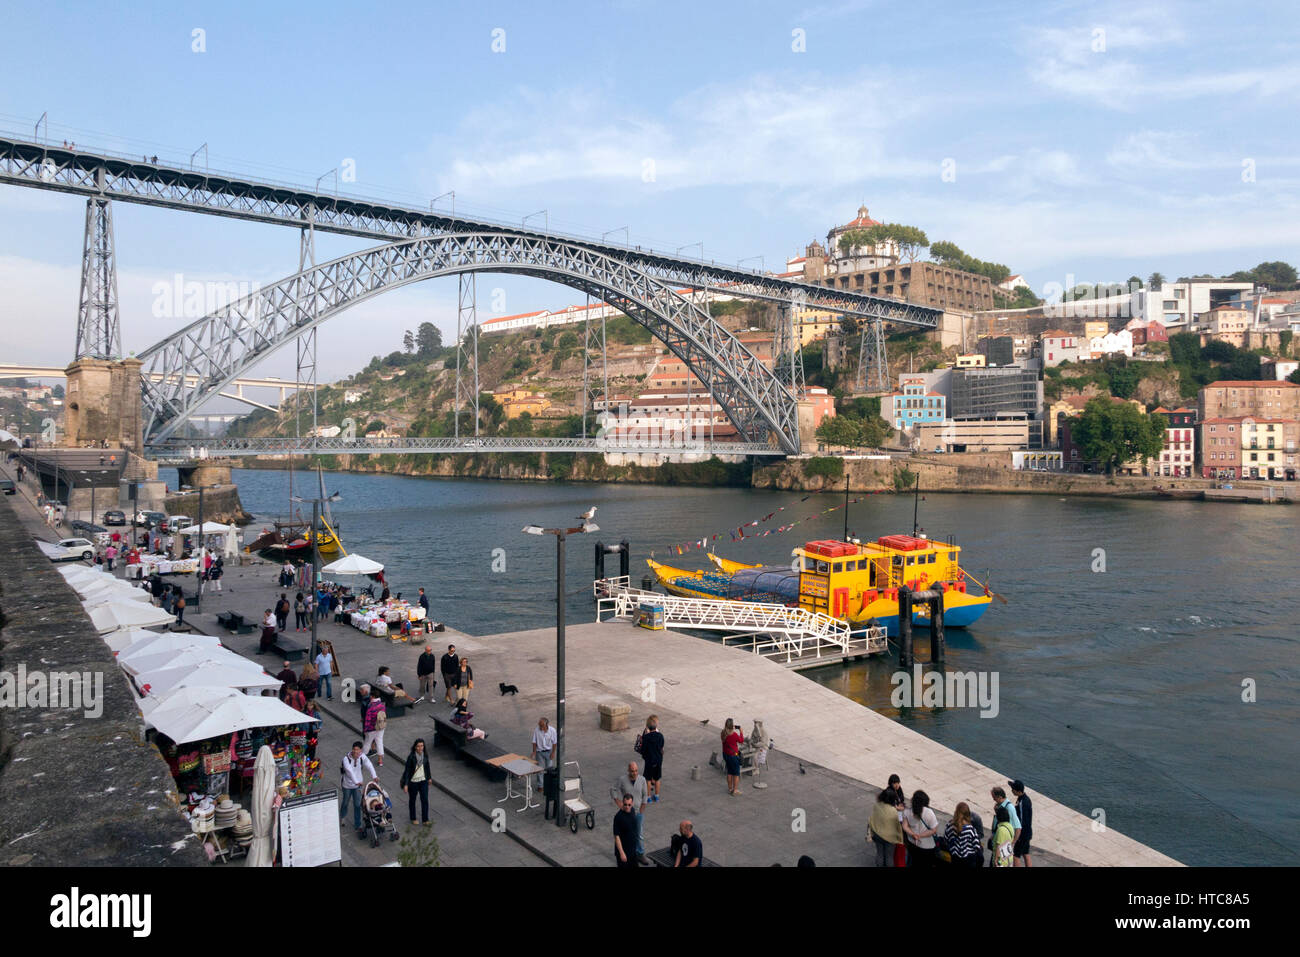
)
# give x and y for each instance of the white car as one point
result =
(176, 522)
(69, 549)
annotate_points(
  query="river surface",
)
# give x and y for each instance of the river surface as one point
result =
(1120, 691)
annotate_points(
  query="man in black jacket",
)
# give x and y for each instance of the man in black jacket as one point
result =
(450, 666)
(426, 668)
(1024, 811)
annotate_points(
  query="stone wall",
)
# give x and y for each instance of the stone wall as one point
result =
(75, 790)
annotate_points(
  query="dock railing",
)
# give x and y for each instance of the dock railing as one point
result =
(795, 637)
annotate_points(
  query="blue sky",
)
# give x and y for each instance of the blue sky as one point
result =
(1091, 141)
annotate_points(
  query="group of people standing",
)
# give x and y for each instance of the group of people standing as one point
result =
(906, 832)
(457, 675)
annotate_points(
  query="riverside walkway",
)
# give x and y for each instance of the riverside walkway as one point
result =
(831, 754)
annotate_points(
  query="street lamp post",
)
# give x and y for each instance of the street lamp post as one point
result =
(203, 545)
(560, 535)
(315, 557)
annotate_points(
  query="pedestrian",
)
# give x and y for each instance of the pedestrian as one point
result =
(425, 669)
(1025, 812)
(901, 850)
(633, 785)
(1004, 837)
(544, 738)
(920, 825)
(363, 700)
(294, 697)
(309, 681)
(463, 718)
(732, 739)
(286, 574)
(650, 745)
(884, 829)
(299, 613)
(351, 779)
(415, 780)
(268, 633)
(180, 610)
(962, 838)
(464, 680)
(325, 669)
(424, 603)
(689, 849)
(218, 569)
(322, 603)
(282, 612)
(110, 554)
(999, 796)
(376, 720)
(625, 834)
(286, 677)
(450, 667)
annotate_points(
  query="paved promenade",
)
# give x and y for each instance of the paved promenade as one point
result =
(831, 754)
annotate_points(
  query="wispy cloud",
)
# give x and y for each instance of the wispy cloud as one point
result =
(1119, 61)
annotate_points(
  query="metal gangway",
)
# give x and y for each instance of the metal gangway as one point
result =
(794, 637)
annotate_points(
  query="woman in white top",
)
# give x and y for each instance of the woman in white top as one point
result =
(920, 825)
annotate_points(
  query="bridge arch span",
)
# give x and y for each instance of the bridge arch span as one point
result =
(221, 347)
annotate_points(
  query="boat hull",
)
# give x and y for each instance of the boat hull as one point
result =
(960, 609)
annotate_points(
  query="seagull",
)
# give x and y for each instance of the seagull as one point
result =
(589, 514)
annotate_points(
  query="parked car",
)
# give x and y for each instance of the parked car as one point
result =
(114, 517)
(77, 548)
(150, 519)
(8, 486)
(175, 523)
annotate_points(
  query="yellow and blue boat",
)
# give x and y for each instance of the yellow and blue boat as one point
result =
(857, 582)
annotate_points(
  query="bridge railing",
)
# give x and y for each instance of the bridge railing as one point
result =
(339, 445)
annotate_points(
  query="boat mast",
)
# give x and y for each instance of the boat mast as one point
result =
(916, 503)
(846, 505)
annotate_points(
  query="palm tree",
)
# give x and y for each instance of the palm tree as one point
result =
(1155, 281)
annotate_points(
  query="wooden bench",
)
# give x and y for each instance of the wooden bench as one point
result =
(288, 649)
(233, 622)
(666, 857)
(396, 707)
(479, 751)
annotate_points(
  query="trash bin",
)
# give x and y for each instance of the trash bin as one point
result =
(551, 791)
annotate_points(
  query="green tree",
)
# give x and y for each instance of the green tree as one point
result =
(1155, 280)
(840, 430)
(1112, 433)
(408, 341)
(1275, 275)
(1294, 377)
(428, 340)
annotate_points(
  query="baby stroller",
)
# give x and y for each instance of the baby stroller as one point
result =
(376, 813)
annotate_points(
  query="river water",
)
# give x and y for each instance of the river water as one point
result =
(1120, 691)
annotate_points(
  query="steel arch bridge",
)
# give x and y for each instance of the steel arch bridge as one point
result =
(191, 367)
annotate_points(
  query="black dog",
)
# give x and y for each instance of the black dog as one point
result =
(508, 689)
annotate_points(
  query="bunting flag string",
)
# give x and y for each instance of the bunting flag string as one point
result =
(738, 534)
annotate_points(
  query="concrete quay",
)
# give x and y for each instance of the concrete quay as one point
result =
(831, 754)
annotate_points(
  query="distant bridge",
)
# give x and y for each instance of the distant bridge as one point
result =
(284, 387)
(189, 450)
(197, 364)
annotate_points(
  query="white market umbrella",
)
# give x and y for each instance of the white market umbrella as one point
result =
(119, 641)
(217, 717)
(152, 643)
(261, 853)
(208, 528)
(353, 565)
(119, 614)
(212, 673)
(74, 573)
(182, 699)
(181, 657)
(113, 593)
